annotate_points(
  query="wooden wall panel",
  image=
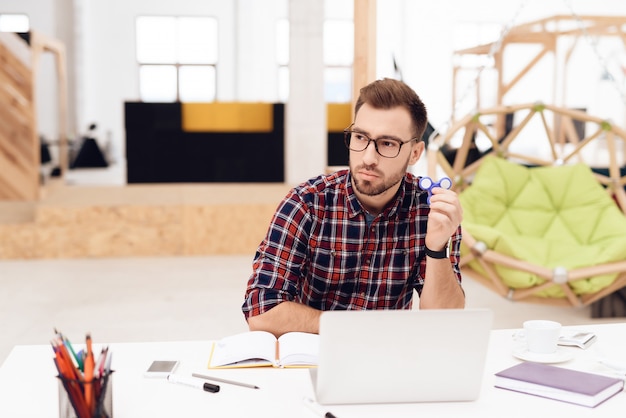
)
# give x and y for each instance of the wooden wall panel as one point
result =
(19, 177)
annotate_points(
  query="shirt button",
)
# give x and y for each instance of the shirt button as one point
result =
(368, 261)
(362, 294)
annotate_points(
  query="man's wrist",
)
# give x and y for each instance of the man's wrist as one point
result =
(443, 253)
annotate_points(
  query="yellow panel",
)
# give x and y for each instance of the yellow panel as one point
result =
(338, 116)
(227, 117)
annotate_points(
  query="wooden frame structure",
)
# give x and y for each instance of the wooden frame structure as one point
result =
(564, 145)
(19, 136)
(364, 66)
(544, 33)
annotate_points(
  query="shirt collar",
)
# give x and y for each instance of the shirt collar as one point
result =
(354, 207)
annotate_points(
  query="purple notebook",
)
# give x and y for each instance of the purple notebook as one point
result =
(553, 382)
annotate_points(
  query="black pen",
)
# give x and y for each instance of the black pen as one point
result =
(194, 383)
(314, 406)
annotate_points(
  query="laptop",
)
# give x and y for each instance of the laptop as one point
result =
(394, 356)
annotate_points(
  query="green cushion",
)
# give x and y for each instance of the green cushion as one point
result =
(548, 216)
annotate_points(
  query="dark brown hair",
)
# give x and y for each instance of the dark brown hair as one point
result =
(389, 93)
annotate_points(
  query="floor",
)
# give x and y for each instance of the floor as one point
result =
(168, 298)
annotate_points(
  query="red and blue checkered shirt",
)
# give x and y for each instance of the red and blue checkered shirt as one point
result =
(320, 251)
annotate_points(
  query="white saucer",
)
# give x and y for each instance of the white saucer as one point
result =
(559, 356)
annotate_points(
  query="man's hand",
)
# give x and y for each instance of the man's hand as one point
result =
(441, 288)
(445, 217)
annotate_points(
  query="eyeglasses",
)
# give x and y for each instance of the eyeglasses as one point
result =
(385, 147)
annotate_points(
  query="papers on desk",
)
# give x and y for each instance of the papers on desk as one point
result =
(582, 388)
(261, 348)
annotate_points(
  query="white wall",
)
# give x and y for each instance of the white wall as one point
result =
(420, 33)
(246, 69)
(109, 58)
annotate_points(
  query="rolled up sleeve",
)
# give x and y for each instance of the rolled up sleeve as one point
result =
(280, 259)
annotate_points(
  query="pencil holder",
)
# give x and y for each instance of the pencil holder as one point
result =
(75, 403)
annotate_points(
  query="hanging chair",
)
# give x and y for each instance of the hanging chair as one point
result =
(544, 205)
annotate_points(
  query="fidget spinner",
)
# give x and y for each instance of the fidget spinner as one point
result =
(426, 183)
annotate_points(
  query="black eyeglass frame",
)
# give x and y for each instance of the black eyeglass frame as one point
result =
(347, 133)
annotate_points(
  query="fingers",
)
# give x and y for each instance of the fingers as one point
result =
(446, 202)
(445, 215)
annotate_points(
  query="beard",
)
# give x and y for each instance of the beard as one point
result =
(382, 183)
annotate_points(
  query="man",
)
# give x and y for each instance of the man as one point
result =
(362, 238)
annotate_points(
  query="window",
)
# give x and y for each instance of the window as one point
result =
(282, 58)
(338, 57)
(18, 23)
(338, 50)
(177, 58)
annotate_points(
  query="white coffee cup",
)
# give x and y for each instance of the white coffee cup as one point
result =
(542, 336)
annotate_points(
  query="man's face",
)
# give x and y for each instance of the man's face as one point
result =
(373, 174)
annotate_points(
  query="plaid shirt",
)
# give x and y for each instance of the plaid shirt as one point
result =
(320, 251)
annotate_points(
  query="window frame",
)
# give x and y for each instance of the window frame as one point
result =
(178, 64)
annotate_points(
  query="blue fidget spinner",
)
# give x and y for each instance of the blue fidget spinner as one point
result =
(426, 183)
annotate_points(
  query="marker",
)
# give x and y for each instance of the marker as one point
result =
(194, 383)
(314, 406)
(230, 382)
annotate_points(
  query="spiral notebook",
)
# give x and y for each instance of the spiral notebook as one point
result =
(393, 356)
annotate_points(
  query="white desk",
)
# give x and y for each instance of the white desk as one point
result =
(28, 387)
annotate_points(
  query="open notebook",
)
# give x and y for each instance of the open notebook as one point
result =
(390, 356)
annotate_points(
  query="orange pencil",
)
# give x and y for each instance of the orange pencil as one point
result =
(89, 369)
(70, 381)
(67, 366)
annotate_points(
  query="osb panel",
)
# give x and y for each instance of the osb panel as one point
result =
(144, 221)
(17, 241)
(109, 241)
(58, 215)
(110, 231)
(225, 229)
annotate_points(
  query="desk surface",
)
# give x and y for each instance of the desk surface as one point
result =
(28, 387)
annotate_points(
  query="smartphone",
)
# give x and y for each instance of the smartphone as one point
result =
(161, 368)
